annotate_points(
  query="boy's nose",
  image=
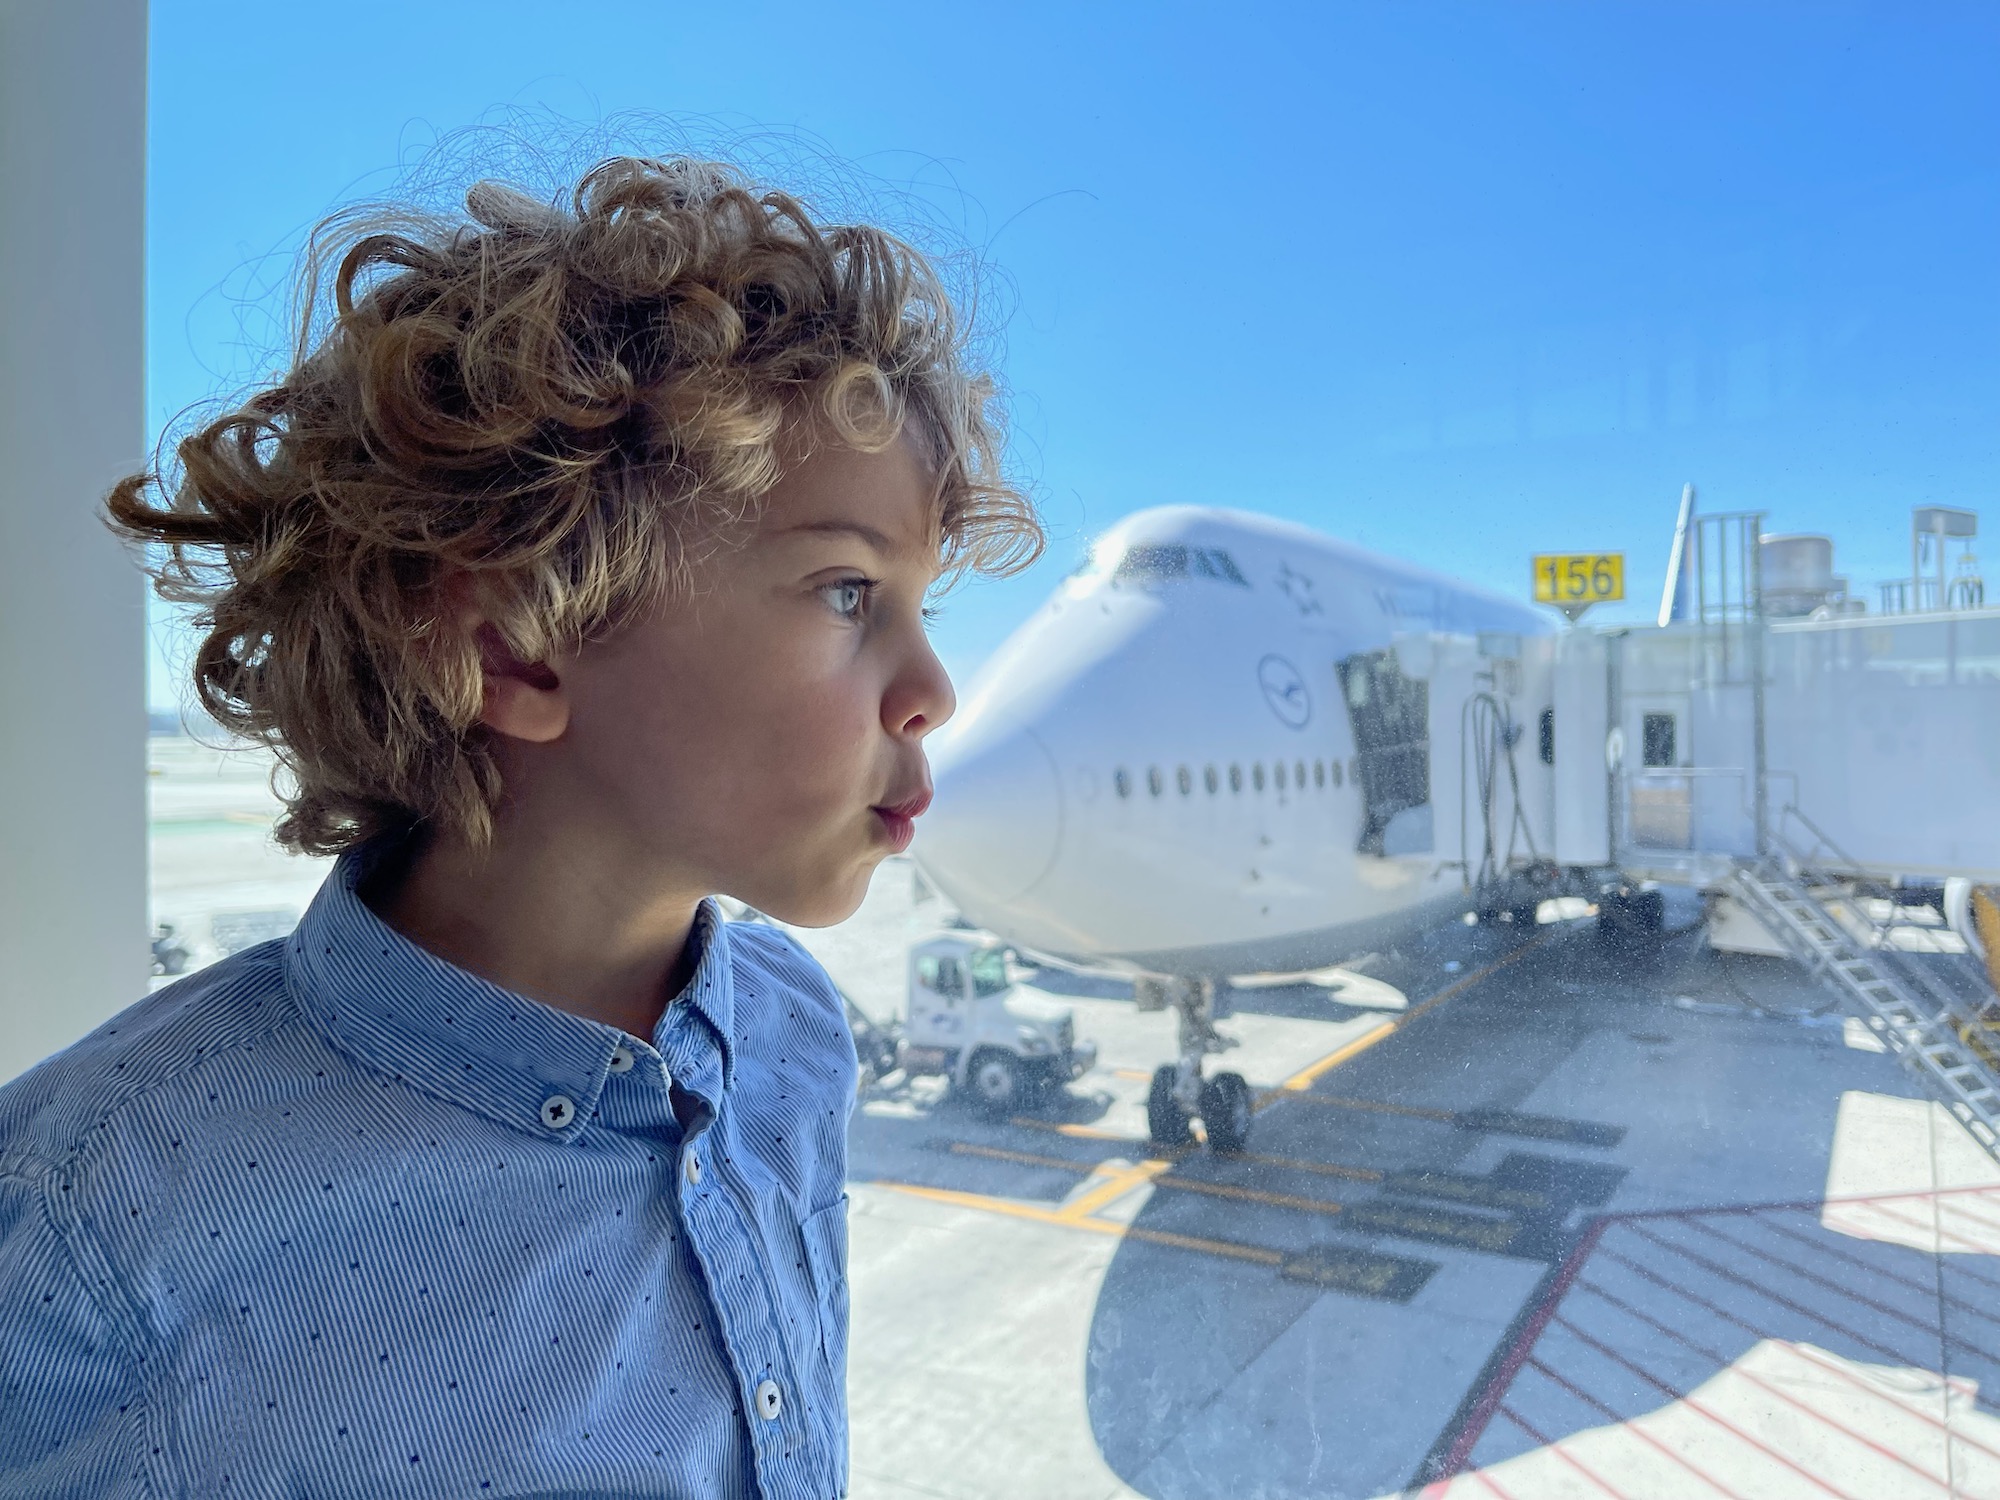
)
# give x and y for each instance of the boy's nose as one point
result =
(995, 827)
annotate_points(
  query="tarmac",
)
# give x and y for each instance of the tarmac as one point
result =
(1520, 1216)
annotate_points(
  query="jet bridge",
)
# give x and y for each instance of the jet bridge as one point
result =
(1825, 779)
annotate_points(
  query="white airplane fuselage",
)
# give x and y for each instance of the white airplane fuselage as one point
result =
(1159, 770)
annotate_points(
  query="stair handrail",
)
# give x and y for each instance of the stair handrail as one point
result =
(1882, 950)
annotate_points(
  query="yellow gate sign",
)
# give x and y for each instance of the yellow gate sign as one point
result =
(1573, 581)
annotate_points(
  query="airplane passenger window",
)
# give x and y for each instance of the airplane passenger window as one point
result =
(1186, 780)
(1122, 782)
(1153, 782)
(1278, 775)
(1209, 778)
(1257, 775)
(1319, 773)
(1299, 774)
(1235, 778)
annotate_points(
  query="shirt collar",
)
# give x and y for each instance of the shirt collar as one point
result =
(433, 1025)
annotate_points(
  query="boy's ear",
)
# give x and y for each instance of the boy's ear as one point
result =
(523, 700)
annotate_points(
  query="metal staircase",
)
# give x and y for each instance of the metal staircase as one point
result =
(1923, 1007)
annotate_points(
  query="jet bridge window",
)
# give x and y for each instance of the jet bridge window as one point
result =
(1656, 741)
(1390, 714)
(1173, 560)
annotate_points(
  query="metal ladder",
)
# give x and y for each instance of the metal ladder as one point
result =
(1917, 1020)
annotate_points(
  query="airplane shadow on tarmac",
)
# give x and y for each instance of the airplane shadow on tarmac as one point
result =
(1583, 1189)
(1474, 1303)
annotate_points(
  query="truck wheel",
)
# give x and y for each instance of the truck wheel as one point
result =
(1166, 1121)
(994, 1079)
(1226, 1112)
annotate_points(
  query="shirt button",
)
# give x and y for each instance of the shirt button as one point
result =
(621, 1060)
(693, 1170)
(557, 1111)
(770, 1401)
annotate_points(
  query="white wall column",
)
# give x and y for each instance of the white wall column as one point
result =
(72, 420)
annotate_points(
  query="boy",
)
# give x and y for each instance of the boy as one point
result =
(575, 572)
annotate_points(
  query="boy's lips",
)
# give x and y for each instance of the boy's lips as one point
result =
(899, 819)
(909, 807)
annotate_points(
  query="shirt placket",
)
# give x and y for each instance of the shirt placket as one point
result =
(723, 1236)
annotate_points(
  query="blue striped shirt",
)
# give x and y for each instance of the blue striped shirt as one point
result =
(334, 1218)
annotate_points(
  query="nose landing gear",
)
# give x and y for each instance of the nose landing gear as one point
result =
(1179, 1094)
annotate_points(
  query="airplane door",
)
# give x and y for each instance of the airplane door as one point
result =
(1390, 716)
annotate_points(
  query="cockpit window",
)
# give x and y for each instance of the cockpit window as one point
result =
(1173, 560)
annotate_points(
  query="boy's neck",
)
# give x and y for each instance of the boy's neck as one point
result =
(532, 916)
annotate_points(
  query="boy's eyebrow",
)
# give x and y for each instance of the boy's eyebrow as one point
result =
(861, 529)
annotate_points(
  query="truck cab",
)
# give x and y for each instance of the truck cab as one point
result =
(968, 1020)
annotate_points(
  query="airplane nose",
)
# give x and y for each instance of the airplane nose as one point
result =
(993, 830)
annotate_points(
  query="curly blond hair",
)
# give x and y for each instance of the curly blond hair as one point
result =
(563, 401)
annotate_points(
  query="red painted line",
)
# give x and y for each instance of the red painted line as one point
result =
(1630, 1425)
(1770, 1296)
(1933, 1226)
(1810, 1205)
(1928, 1289)
(1562, 1453)
(1510, 1366)
(1951, 1433)
(1818, 1416)
(1691, 1402)
(1930, 1328)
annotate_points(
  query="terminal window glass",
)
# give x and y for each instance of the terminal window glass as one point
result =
(1509, 1055)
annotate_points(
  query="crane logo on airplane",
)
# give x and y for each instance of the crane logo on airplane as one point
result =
(1285, 690)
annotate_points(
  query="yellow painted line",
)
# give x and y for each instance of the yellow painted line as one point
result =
(1096, 1133)
(1302, 1080)
(1025, 1158)
(1293, 1164)
(1250, 1195)
(1013, 1210)
(1378, 1107)
(1115, 1186)
(1152, 1170)
(1171, 1153)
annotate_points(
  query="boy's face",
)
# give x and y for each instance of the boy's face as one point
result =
(763, 738)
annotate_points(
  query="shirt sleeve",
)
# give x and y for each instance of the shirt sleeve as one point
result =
(72, 1417)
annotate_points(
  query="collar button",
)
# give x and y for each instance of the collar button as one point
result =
(621, 1060)
(558, 1111)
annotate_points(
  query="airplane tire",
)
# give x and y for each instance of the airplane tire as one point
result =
(994, 1080)
(1226, 1112)
(1166, 1121)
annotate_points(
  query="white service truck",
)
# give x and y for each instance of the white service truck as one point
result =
(969, 1021)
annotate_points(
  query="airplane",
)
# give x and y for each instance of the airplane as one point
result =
(1207, 754)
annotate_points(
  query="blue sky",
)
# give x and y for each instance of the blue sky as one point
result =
(1460, 282)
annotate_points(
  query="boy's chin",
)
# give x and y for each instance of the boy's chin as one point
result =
(818, 904)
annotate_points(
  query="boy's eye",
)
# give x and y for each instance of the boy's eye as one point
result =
(847, 597)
